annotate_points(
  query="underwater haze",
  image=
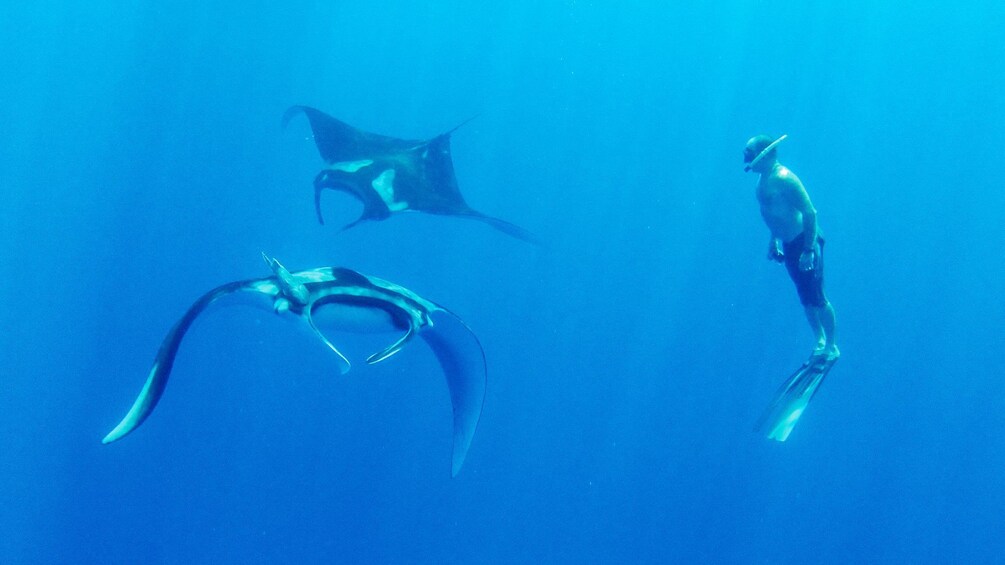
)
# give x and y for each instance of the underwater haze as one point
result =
(142, 163)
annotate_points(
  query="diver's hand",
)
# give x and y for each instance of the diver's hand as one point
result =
(808, 260)
(775, 252)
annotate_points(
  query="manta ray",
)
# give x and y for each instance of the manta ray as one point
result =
(390, 175)
(342, 297)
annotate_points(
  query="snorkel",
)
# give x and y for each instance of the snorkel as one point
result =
(764, 152)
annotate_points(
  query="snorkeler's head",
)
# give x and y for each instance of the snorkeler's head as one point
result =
(758, 148)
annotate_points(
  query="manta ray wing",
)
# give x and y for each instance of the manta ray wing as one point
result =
(339, 142)
(463, 362)
(434, 188)
(158, 377)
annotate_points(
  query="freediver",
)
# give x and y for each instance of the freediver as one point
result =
(795, 239)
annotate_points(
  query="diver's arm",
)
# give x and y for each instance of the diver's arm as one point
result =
(775, 252)
(796, 194)
(800, 200)
(809, 228)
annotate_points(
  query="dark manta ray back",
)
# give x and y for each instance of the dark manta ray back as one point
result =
(388, 174)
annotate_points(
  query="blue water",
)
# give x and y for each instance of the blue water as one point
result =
(142, 163)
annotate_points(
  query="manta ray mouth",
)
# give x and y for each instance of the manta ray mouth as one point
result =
(356, 316)
(325, 181)
(317, 202)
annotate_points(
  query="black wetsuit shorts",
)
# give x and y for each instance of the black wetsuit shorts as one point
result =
(809, 284)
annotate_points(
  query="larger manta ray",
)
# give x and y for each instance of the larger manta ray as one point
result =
(342, 296)
(390, 175)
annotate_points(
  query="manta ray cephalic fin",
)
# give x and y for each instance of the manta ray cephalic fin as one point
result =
(344, 364)
(391, 349)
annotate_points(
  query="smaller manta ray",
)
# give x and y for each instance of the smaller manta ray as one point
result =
(343, 298)
(791, 400)
(390, 175)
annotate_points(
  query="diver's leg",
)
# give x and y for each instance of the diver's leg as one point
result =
(829, 325)
(813, 316)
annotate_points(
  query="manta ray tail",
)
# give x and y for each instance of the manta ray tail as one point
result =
(163, 363)
(463, 362)
(505, 227)
(459, 126)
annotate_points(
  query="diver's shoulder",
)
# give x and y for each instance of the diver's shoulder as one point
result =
(783, 174)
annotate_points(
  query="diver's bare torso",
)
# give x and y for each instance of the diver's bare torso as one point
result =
(775, 194)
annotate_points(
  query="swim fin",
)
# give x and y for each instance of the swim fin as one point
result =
(792, 398)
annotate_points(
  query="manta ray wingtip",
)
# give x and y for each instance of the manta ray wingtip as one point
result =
(291, 113)
(125, 427)
(114, 435)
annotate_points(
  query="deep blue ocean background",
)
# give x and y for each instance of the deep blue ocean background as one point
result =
(142, 163)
